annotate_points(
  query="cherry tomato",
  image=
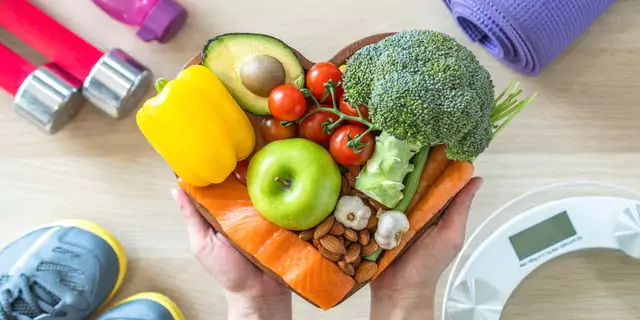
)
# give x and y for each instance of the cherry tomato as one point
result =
(347, 109)
(271, 130)
(347, 156)
(320, 74)
(286, 102)
(311, 126)
(241, 171)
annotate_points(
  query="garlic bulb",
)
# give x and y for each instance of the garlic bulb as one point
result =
(392, 226)
(352, 212)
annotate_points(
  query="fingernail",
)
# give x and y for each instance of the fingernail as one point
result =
(174, 194)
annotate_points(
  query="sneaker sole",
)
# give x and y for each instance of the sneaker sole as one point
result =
(111, 240)
(161, 299)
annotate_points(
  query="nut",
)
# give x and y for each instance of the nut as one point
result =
(328, 254)
(363, 237)
(354, 170)
(337, 229)
(373, 221)
(366, 270)
(361, 195)
(345, 189)
(351, 235)
(333, 244)
(351, 179)
(370, 248)
(353, 253)
(316, 243)
(323, 228)
(375, 204)
(346, 268)
(357, 262)
(306, 235)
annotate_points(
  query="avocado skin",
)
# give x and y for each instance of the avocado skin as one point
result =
(247, 100)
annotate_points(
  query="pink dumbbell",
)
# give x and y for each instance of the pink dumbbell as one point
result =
(47, 96)
(113, 81)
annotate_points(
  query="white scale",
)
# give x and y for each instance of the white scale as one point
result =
(531, 230)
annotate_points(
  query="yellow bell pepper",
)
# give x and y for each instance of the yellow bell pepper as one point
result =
(197, 127)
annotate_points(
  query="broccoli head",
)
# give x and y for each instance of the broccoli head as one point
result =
(424, 87)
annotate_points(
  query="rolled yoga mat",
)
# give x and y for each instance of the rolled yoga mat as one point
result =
(527, 35)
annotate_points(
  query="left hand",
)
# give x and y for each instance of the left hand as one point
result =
(250, 292)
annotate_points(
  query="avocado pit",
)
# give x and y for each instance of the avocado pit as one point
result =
(260, 74)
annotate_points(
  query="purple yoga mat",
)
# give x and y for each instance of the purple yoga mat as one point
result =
(526, 34)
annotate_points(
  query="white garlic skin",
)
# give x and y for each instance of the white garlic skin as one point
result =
(352, 212)
(392, 226)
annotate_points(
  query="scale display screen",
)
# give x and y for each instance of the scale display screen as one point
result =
(542, 235)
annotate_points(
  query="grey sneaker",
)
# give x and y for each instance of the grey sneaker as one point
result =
(144, 306)
(63, 271)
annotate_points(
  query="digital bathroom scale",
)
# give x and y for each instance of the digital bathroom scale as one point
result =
(531, 230)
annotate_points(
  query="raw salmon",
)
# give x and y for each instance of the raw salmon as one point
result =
(296, 261)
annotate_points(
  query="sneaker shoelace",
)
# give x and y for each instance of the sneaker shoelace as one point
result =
(32, 301)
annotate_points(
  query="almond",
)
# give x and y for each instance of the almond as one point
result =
(328, 254)
(373, 221)
(366, 270)
(346, 268)
(361, 195)
(357, 262)
(351, 179)
(337, 229)
(354, 170)
(345, 189)
(351, 235)
(323, 228)
(333, 244)
(363, 237)
(316, 243)
(306, 235)
(353, 253)
(370, 248)
(375, 204)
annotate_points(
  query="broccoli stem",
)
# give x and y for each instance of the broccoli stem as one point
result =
(413, 179)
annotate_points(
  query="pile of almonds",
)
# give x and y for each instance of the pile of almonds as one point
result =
(344, 246)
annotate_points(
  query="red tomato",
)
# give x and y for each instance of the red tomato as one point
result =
(241, 171)
(347, 109)
(320, 74)
(311, 126)
(345, 155)
(271, 130)
(286, 102)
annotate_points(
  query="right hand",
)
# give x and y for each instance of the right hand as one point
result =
(406, 289)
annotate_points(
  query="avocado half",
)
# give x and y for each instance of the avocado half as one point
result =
(251, 65)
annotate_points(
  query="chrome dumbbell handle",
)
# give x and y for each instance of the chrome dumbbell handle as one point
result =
(46, 96)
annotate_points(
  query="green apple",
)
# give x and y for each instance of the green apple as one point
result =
(294, 183)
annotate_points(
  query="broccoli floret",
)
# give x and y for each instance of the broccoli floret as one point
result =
(424, 87)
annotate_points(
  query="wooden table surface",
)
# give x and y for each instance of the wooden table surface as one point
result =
(584, 125)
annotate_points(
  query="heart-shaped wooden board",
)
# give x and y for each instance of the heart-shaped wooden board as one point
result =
(229, 201)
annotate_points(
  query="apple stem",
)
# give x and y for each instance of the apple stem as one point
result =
(285, 182)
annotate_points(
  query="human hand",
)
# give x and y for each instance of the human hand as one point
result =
(251, 294)
(406, 289)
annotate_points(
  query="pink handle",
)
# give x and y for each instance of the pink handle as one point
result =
(14, 69)
(50, 38)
